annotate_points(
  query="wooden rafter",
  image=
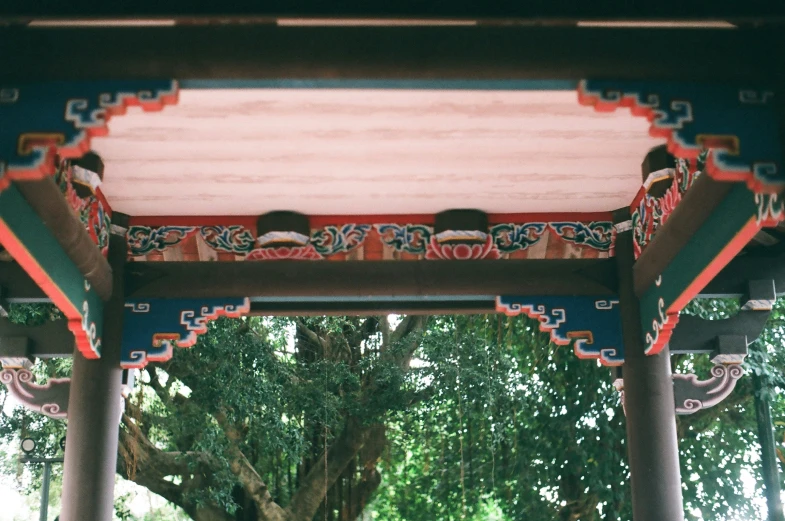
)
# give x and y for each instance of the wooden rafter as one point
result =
(388, 53)
(370, 278)
(542, 10)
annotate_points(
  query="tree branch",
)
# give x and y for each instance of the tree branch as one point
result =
(313, 487)
(370, 479)
(410, 328)
(150, 465)
(257, 489)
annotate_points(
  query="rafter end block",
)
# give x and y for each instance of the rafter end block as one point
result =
(760, 296)
(729, 349)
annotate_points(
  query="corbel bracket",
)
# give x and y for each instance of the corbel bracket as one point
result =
(698, 335)
(727, 341)
(691, 395)
(591, 324)
(50, 399)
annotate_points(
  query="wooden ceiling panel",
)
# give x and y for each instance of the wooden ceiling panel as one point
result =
(341, 151)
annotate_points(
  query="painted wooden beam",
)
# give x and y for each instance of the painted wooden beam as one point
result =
(20, 10)
(45, 198)
(707, 216)
(370, 278)
(686, 219)
(18, 287)
(51, 339)
(731, 225)
(384, 54)
(698, 335)
(732, 281)
(31, 244)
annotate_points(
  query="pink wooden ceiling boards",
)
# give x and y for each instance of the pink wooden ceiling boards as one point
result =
(336, 151)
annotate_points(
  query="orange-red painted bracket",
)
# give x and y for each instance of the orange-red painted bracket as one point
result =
(739, 128)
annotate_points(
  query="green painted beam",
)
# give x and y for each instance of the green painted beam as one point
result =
(32, 245)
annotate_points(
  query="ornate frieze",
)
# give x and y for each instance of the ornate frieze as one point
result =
(649, 212)
(597, 235)
(234, 239)
(339, 239)
(152, 328)
(143, 239)
(379, 241)
(593, 324)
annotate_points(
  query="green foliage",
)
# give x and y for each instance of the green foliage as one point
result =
(484, 419)
(510, 420)
(720, 444)
(33, 314)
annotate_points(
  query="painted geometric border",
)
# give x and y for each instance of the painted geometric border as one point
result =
(153, 327)
(593, 323)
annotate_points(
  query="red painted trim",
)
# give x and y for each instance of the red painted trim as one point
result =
(665, 334)
(193, 220)
(317, 221)
(583, 356)
(99, 194)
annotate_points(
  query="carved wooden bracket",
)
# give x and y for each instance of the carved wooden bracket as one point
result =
(692, 395)
(50, 399)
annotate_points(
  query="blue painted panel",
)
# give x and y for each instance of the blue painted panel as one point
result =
(153, 327)
(593, 323)
(66, 114)
(740, 124)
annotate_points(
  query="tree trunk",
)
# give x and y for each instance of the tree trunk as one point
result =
(211, 514)
(769, 463)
